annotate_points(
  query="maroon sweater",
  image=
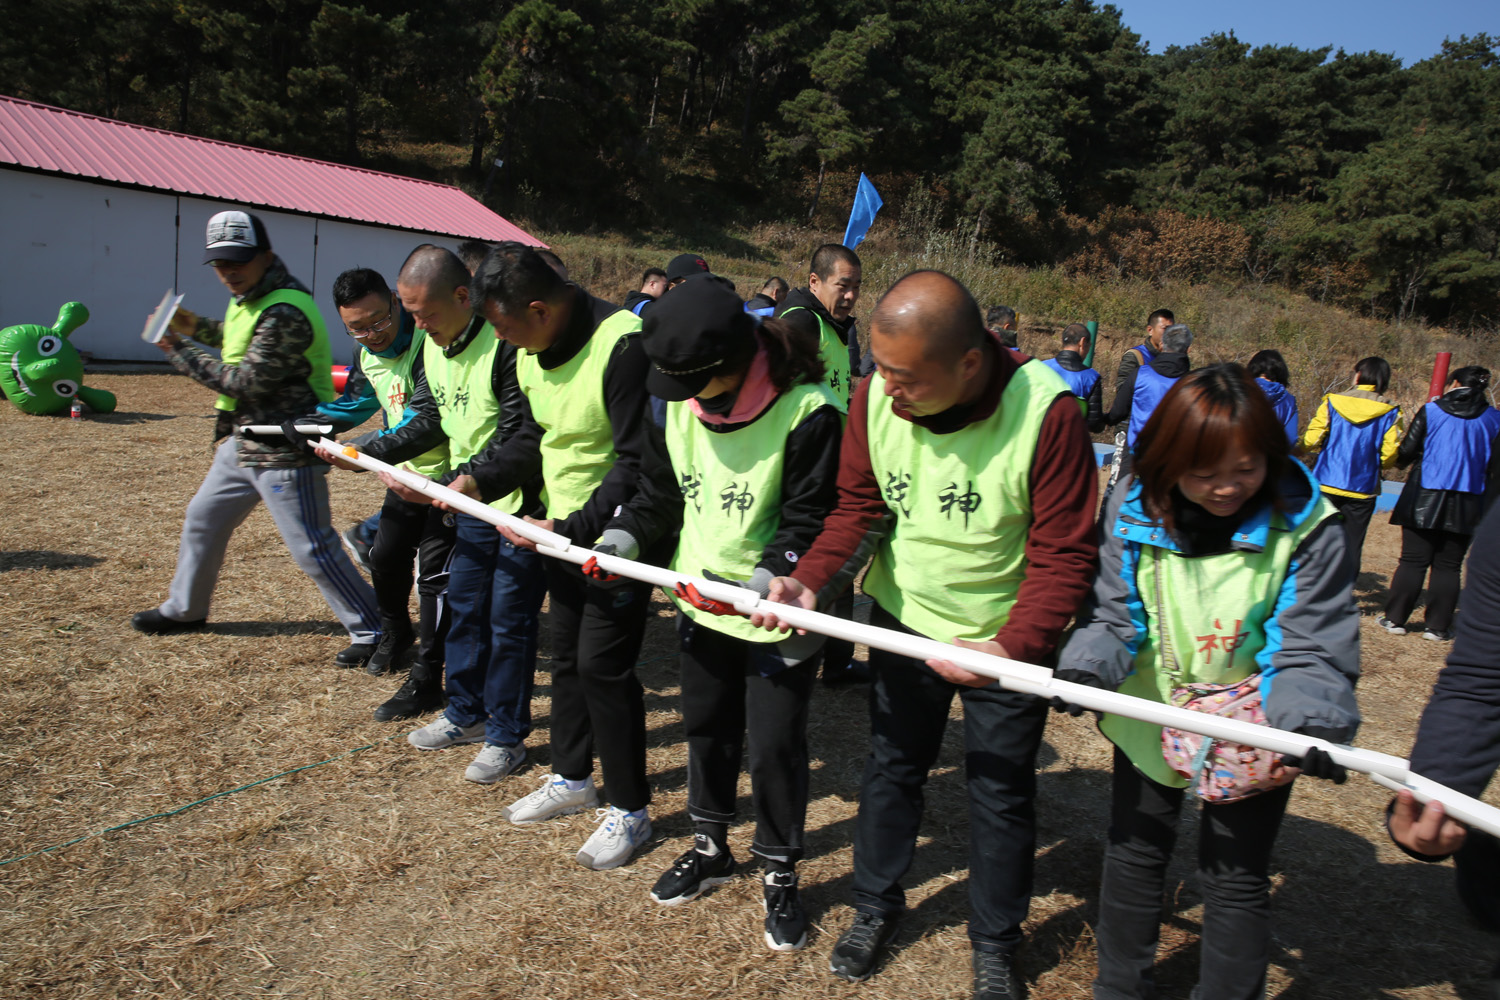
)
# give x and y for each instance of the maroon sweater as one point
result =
(1062, 552)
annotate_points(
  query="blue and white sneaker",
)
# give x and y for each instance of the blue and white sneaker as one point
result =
(495, 762)
(616, 839)
(554, 798)
(441, 733)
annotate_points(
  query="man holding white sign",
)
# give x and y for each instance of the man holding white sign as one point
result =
(275, 364)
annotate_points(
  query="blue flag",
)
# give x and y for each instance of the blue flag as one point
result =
(866, 203)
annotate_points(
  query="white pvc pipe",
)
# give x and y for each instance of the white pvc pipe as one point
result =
(274, 430)
(1027, 678)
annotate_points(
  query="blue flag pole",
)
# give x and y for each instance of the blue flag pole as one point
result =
(866, 204)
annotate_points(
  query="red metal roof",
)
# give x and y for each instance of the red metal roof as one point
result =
(55, 140)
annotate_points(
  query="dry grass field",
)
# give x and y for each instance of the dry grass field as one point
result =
(382, 873)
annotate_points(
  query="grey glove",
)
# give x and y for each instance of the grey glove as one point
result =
(760, 581)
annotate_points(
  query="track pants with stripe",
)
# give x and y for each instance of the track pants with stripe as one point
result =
(298, 502)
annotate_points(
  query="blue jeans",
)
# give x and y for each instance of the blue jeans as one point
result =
(495, 595)
(366, 528)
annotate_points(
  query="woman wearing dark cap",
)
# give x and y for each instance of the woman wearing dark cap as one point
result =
(753, 436)
(1452, 443)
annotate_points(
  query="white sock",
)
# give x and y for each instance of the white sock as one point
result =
(575, 786)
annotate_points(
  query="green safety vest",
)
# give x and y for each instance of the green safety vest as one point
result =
(391, 379)
(578, 444)
(835, 357)
(1215, 609)
(464, 391)
(731, 493)
(955, 558)
(239, 329)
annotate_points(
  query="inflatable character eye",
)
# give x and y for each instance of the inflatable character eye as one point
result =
(48, 346)
(65, 387)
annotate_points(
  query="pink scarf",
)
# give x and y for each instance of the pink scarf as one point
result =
(755, 394)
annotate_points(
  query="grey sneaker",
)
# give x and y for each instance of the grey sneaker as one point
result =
(441, 733)
(1390, 626)
(495, 762)
(357, 547)
(616, 839)
(552, 799)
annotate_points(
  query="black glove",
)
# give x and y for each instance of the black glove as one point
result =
(1077, 677)
(1316, 763)
(297, 439)
(600, 577)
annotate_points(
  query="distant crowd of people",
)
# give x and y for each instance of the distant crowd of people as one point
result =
(766, 444)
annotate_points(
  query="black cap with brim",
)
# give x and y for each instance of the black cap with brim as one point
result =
(686, 265)
(692, 331)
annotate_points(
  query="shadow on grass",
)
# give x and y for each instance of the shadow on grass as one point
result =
(119, 417)
(46, 559)
(308, 626)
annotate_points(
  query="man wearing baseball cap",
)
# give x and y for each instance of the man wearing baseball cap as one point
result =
(275, 364)
(684, 266)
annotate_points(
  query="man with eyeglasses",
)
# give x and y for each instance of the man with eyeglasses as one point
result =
(388, 374)
(274, 364)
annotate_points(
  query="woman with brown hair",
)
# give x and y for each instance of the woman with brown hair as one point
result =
(1221, 567)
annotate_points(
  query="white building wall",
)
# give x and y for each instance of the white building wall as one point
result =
(117, 250)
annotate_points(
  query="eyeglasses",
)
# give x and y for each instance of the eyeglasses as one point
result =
(380, 326)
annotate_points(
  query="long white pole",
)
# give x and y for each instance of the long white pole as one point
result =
(1391, 772)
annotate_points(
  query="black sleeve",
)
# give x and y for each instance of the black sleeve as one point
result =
(809, 488)
(1119, 410)
(513, 454)
(421, 427)
(1094, 417)
(636, 440)
(656, 509)
(1410, 449)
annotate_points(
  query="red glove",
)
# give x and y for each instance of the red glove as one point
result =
(688, 592)
(593, 572)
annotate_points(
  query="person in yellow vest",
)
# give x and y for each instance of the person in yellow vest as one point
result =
(971, 480)
(824, 312)
(589, 432)
(275, 363)
(495, 588)
(753, 440)
(388, 375)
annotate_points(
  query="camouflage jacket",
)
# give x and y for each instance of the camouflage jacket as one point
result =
(270, 381)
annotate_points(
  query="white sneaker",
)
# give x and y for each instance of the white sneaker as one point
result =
(495, 762)
(440, 733)
(618, 836)
(552, 799)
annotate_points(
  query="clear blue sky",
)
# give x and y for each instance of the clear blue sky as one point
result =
(1412, 30)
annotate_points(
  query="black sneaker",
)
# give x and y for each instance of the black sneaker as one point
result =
(357, 547)
(786, 924)
(693, 872)
(390, 654)
(852, 672)
(857, 951)
(995, 978)
(356, 654)
(410, 701)
(153, 622)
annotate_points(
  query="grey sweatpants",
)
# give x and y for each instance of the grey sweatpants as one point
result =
(298, 502)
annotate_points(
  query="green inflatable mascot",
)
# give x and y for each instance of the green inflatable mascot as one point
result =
(41, 372)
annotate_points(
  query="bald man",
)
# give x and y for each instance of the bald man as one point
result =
(966, 472)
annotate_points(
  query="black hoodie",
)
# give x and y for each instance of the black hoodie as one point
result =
(859, 364)
(1445, 510)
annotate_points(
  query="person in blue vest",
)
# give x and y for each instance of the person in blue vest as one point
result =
(1137, 356)
(1358, 431)
(1270, 372)
(1451, 446)
(653, 284)
(1003, 323)
(1149, 384)
(1085, 382)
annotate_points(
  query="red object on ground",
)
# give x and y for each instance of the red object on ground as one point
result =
(1439, 375)
(340, 377)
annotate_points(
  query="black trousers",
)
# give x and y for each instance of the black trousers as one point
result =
(1234, 857)
(421, 534)
(1357, 512)
(598, 704)
(1421, 548)
(1002, 731)
(724, 692)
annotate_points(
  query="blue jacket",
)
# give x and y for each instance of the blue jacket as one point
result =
(1310, 659)
(1285, 405)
